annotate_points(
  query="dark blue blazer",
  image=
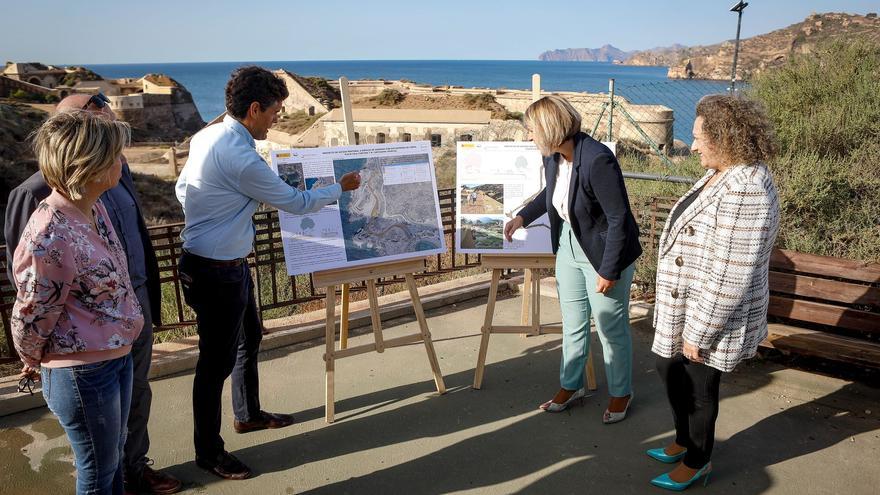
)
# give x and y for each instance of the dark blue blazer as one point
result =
(601, 218)
(23, 200)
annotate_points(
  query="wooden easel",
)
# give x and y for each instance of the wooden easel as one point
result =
(530, 320)
(331, 278)
(345, 276)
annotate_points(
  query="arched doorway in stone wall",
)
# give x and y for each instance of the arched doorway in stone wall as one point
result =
(35, 80)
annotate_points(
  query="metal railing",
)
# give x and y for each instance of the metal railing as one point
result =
(281, 295)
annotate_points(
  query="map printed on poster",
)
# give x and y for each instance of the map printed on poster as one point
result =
(394, 215)
(495, 180)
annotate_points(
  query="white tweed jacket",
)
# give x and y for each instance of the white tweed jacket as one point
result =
(712, 266)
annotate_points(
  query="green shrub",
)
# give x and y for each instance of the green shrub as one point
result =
(79, 74)
(20, 94)
(826, 108)
(830, 206)
(50, 98)
(826, 102)
(389, 97)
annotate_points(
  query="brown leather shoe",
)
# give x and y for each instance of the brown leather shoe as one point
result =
(266, 420)
(226, 466)
(152, 482)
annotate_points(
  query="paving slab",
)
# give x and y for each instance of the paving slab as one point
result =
(780, 430)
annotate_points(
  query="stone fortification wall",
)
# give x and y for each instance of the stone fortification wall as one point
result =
(370, 132)
(160, 117)
(655, 120)
(299, 99)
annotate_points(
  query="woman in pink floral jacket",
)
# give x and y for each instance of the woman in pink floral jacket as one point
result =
(76, 314)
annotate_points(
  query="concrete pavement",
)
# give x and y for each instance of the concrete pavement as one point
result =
(779, 431)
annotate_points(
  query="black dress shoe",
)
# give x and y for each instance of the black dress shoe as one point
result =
(152, 482)
(225, 465)
(264, 421)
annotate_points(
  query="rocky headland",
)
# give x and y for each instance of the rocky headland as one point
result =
(756, 54)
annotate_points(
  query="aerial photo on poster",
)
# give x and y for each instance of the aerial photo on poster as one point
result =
(495, 181)
(482, 232)
(394, 215)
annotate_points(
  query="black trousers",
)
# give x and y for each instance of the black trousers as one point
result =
(137, 443)
(692, 389)
(230, 332)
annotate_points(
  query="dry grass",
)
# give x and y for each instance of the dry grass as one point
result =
(440, 101)
(296, 122)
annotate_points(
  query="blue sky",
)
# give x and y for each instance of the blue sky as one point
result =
(104, 31)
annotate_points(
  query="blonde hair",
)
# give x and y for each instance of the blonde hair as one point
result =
(553, 120)
(75, 148)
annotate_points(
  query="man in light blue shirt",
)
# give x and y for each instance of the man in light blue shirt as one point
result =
(220, 188)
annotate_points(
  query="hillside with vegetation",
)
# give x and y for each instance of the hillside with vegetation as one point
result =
(827, 124)
(760, 53)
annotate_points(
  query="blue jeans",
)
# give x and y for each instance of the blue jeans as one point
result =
(91, 402)
(578, 300)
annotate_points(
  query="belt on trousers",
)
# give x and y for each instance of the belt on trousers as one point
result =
(216, 263)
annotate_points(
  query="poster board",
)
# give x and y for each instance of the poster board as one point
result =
(495, 180)
(394, 215)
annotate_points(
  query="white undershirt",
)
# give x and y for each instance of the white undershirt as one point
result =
(560, 192)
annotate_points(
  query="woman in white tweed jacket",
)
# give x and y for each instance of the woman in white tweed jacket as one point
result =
(712, 292)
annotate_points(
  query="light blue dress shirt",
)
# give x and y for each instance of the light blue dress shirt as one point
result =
(221, 186)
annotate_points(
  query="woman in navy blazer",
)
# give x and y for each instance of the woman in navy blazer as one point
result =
(596, 241)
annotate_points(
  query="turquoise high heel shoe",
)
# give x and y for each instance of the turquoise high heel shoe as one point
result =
(661, 455)
(664, 481)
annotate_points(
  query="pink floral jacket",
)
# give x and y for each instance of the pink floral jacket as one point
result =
(75, 304)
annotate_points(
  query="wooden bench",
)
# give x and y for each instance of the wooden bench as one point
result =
(825, 307)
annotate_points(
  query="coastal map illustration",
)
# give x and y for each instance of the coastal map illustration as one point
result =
(391, 213)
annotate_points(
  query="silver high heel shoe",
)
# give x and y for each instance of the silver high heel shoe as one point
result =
(616, 417)
(553, 407)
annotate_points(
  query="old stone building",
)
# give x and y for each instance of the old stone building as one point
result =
(656, 121)
(375, 126)
(305, 95)
(35, 73)
(157, 107)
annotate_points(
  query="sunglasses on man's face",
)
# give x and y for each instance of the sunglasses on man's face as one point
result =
(99, 100)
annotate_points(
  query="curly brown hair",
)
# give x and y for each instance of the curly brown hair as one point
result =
(738, 128)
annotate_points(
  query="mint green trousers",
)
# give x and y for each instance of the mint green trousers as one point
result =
(578, 300)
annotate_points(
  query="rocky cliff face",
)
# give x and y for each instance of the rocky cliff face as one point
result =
(760, 52)
(17, 163)
(606, 53)
(164, 117)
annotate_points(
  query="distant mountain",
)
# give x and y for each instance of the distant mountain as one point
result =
(664, 56)
(606, 53)
(756, 54)
(759, 52)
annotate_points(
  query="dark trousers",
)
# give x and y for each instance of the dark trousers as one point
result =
(138, 442)
(229, 343)
(692, 389)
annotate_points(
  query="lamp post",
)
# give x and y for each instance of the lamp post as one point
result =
(738, 8)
